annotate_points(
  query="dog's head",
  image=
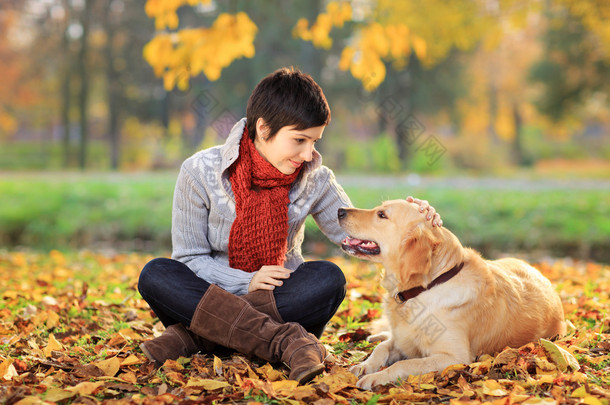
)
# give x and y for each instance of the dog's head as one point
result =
(397, 235)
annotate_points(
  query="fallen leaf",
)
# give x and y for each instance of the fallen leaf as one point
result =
(7, 370)
(560, 356)
(49, 301)
(284, 388)
(591, 400)
(56, 394)
(52, 345)
(131, 360)
(579, 392)
(31, 400)
(86, 388)
(206, 384)
(492, 388)
(129, 333)
(339, 379)
(270, 373)
(506, 357)
(129, 377)
(109, 366)
(217, 366)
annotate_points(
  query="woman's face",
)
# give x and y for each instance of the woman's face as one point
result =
(289, 148)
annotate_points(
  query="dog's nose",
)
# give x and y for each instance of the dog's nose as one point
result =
(341, 213)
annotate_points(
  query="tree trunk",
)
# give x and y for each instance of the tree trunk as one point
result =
(517, 147)
(65, 88)
(113, 93)
(84, 84)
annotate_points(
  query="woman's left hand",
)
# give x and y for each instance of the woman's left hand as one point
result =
(424, 206)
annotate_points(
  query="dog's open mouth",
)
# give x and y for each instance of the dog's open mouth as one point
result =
(356, 246)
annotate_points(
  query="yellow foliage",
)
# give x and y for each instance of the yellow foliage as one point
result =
(164, 11)
(337, 13)
(185, 54)
(389, 30)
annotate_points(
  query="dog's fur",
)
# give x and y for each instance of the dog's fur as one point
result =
(487, 306)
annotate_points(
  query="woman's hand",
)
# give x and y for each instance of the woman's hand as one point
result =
(268, 277)
(425, 206)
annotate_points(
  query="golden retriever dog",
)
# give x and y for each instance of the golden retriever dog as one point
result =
(446, 304)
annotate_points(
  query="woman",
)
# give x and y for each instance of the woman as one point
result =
(237, 277)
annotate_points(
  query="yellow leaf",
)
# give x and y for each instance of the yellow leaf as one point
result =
(86, 388)
(52, 319)
(543, 366)
(591, 400)
(270, 373)
(560, 356)
(455, 367)
(129, 376)
(545, 379)
(7, 370)
(10, 294)
(129, 333)
(131, 360)
(55, 394)
(492, 388)
(339, 380)
(481, 367)
(109, 366)
(217, 366)
(52, 346)
(416, 380)
(31, 400)
(302, 392)
(206, 384)
(506, 356)
(284, 387)
(540, 401)
(579, 392)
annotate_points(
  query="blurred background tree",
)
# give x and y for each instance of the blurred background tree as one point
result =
(115, 84)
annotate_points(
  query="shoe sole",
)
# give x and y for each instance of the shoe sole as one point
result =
(308, 375)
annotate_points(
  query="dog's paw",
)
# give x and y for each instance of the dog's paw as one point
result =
(367, 382)
(363, 369)
(379, 337)
(357, 370)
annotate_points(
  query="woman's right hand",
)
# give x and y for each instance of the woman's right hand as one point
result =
(268, 277)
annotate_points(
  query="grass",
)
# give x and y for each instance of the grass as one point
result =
(133, 212)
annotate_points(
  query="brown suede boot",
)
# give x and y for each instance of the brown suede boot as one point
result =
(176, 341)
(264, 301)
(231, 321)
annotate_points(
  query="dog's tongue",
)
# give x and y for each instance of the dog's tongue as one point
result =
(355, 242)
(352, 241)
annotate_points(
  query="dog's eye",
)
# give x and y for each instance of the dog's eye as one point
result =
(381, 214)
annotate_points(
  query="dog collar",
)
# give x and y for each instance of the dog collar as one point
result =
(404, 296)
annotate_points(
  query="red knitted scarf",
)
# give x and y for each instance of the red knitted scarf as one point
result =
(258, 235)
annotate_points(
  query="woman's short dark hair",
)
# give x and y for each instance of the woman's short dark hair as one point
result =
(287, 97)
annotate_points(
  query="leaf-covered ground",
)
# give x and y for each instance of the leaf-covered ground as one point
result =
(71, 325)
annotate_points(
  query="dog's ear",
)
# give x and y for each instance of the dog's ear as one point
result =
(416, 253)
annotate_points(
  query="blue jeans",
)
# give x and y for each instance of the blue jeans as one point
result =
(310, 296)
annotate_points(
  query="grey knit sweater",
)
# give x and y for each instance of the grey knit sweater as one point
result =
(204, 210)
